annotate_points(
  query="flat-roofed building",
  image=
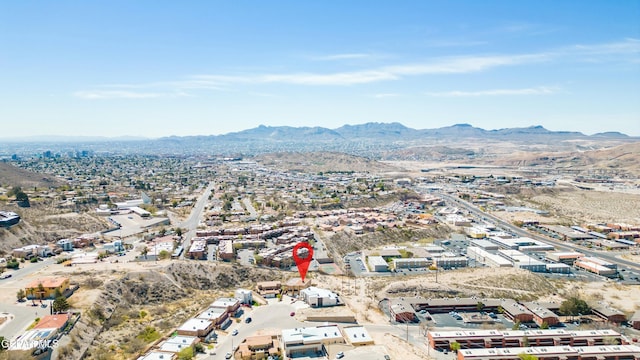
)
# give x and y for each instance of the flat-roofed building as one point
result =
(484, 244)
(600, 262)
(522, 261)
(317, 297)
(558, 268)
(612, 352)
(225, 250)
(402, 311)
(218, 316)
(564, 257)
(178, 343)
(377, 264)
(230, 305)
(196, 327)
(484, 257)
(357, 335)
(198, 250)
(453, 262)
(310, 340)
(411, 263)
(595, 268)
(473, 339)
(158, 355)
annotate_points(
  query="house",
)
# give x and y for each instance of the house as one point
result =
(269, 289)
(178, 343)
(317, 297)
(219, 317)
(230, 305)
(158, 355)
(58, 322)
(48, 288)
(196, 327)
(65, 244)
(244, 296)
(259, 347)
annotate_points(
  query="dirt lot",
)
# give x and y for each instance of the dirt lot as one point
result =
(592, 206)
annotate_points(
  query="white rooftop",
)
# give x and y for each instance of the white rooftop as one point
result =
(195, 324)
(311, 335)
(356, 334)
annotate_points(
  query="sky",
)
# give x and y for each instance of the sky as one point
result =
(159, 68)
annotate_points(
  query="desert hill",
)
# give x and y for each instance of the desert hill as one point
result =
(13, 176)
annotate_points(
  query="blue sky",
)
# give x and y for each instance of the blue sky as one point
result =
(158, 68)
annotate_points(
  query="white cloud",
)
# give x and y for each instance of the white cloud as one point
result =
(341, 57)
(117, 94)
(626, 50)
(385, 95)
(496, 92)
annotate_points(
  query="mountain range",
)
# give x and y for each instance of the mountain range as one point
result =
(394, 132)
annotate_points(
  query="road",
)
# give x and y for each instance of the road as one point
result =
(191, 224)
(273, 316)
(20, 314)
(516, 230)
(249, 206)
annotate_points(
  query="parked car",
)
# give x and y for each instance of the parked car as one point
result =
(228, 356)
(293, 313)
(340, 355)
(235, 332)
(247, 320)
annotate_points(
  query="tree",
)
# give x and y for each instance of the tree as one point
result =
(164, 254)
(179, 231)
(480, 306)
(21, 294)
(186, 354)
(610, 340)
(455, 346)
(574, 306)
(41, 291)
(60, 304)
(544, 325)
(524, 356)
(144, 252)
(516, 325)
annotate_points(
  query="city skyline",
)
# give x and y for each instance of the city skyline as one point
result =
(160, 69)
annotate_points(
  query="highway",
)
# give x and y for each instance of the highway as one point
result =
(519, 231)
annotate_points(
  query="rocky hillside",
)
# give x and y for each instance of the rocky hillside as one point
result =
(133, 311)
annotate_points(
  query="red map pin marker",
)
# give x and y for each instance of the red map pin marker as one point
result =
(302, 263)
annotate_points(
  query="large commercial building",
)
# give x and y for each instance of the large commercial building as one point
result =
(523, 261)
(412, 263)
(595, 267)
(484, 257)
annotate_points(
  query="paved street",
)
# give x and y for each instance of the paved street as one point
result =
(275, 316)
(191, 224)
